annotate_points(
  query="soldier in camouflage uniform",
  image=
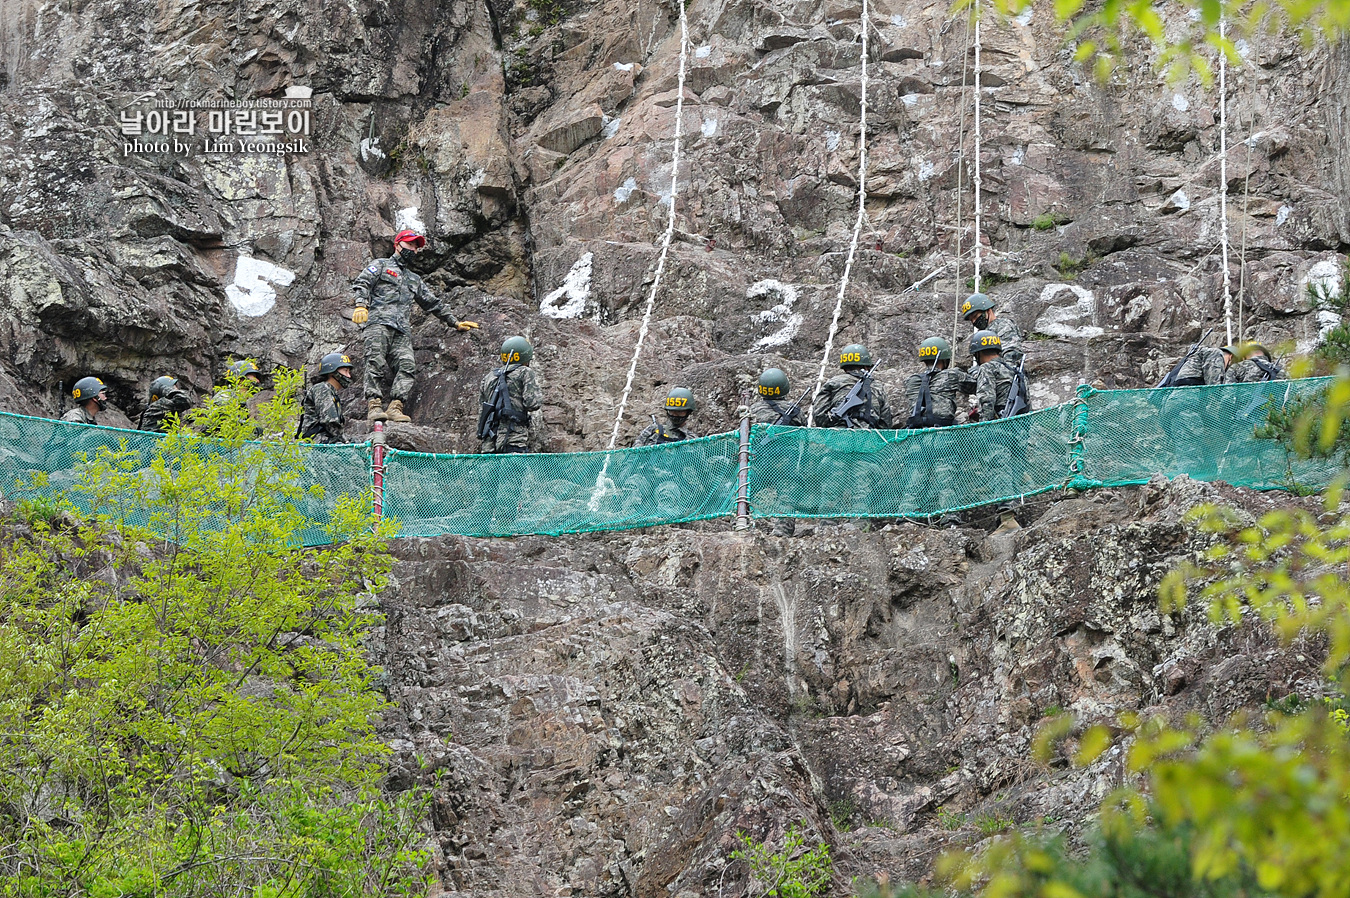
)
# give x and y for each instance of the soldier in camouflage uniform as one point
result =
(385, 292)
(166, 398)
(773, 407)
(993, 374)
(1252, 365)
(995, 381)
(91, 397)
(511, 423)
(679, 405)
(979, 310)
(945, 385)
(1203, 365)
(873, 414)
(320, 407)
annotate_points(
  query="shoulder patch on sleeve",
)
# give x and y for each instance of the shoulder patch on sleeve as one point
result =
(374, 269)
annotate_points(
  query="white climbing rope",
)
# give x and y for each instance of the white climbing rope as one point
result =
(1242, 253)
(1223, 181)
(665, 240)
(977, 147)
(603, 485)
(960, 172)
(857, 224)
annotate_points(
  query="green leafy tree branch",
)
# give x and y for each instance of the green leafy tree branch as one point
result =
(186, 707)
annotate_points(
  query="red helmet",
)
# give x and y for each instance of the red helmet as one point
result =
(407, 236)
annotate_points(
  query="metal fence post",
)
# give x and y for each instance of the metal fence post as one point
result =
(743, 475)
(377, 470)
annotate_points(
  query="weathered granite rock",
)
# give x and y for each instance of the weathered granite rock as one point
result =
(606, 711)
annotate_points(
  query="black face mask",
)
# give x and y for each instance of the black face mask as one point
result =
(982, 321)
(406, 255)
(344, 380)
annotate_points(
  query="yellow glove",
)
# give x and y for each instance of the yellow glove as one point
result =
(359, 315)
(466, 325)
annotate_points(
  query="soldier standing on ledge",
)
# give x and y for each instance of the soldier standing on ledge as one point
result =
(510, 420)
(772, 406)
(320, 407)
(385, 292)
(1252, 365)
(91, 397)
(680, 404)
(166, 398)
(979, 310)
(852, 399)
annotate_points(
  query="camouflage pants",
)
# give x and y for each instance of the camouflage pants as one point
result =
(384, 346)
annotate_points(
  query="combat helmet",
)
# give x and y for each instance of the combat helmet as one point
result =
(516, 350)
(974, 304)
(773, 383)
(1250, 349)
(87, 388)
(162, 386)
(935, 349)
(985, 341)
(680, 402)
(332, 362)
(243, 368)
(855, 354)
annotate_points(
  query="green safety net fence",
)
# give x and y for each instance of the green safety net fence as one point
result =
(40, 457)
(1102, 438)
(577, 492)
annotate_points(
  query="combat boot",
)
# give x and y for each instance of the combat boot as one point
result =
(395, 413)
(376, 412)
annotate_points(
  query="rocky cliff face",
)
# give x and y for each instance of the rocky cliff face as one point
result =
(532, 140)
(601, 715)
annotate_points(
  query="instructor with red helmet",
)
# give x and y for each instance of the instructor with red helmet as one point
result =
(385, 291)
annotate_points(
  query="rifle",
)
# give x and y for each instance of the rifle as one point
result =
(1268, 368)
(785, 418)
(491, 414)
(923, 405)
(860, 397)
(1172, 375)
(1018, 398)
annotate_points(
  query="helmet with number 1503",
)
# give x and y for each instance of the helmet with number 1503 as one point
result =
(935, 348)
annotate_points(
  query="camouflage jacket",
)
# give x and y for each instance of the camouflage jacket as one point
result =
(993, 385)
(657, 433)
(1010, 337)
(388, 288)
(321, 413)
(78, 415)
(155, 414)
(944, 391)
(1249, 372)
(526, 394)
(835, 391)
(1206, 363)
(768, 411)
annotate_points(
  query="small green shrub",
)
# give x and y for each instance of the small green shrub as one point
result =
(993, 824)
(1048, 221)
(793, 872)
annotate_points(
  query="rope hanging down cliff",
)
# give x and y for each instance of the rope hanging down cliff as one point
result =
(978, 147)
(865, 25)
(670, 228)
(1223, 179)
